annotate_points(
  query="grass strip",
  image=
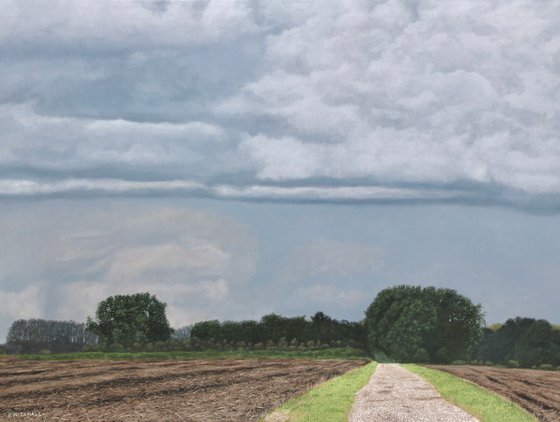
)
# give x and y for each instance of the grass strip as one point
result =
(474, 399)
(333, 353)
(329, 402)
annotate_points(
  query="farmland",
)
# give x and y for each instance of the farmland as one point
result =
(535, 390)
(194, 390)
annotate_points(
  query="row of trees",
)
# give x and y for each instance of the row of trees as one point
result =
(138, 322)
(404, 323)
(276, 329)
(524, 342)
(34, 335)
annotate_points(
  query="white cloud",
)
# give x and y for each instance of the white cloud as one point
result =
(423, 92)
(10, 187)
(23, 304)
(74, 143)
(125, 23)
(369, 94)
(14, 188)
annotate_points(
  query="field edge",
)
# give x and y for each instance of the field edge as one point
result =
(484, 404)
(330, 401)
(331, 353)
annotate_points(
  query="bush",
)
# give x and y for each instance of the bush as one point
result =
(513, 363)
(546, 367)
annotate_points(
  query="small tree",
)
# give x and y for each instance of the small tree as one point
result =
(130, 319)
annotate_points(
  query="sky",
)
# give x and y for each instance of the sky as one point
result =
(237, 158)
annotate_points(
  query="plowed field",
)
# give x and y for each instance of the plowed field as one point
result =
(535, 390)
(190, 390)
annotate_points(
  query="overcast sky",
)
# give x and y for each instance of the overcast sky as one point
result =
(237, 158)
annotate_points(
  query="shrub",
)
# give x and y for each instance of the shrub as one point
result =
(513, 363)
(546, 366)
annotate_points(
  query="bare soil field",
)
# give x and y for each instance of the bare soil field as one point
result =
(188, 390)
(535, 390)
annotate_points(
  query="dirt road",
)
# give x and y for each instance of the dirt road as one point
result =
(397, 395)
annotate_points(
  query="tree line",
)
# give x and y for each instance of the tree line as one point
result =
(276, 330)
(404, 323)
(35, 335)
(521, 342)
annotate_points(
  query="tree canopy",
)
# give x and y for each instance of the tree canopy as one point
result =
(275, 328)
(34, 335)
(128, 319)
(524, 342)
(415, 324)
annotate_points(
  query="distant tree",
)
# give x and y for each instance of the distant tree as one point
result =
(415, 324)
(528, 341)
(281, 330)
(251, 332)
(207, 330)
(128, 319)
(32, 335)
(276, 327)
(182, 333)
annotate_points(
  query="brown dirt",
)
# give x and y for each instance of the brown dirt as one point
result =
(190, 390)
(535, 390)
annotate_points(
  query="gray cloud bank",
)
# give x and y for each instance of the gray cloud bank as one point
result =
(319, 101)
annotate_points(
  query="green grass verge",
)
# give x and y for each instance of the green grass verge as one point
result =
(334, 353)
(329, 402)
(485, 405)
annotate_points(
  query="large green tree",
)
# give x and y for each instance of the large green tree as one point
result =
(129, 319)
(415, 324)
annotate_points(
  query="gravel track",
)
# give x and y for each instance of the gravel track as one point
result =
(396, 395)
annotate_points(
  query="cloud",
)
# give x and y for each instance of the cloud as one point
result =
(131, 24)
(68, 143)
(412, 93)
(200, 264)
(277, 101)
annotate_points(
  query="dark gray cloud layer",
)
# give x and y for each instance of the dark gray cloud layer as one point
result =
(297, 101)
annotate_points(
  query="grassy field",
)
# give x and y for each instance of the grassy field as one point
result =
(334, 353)
(329, 402)
(485, 405)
